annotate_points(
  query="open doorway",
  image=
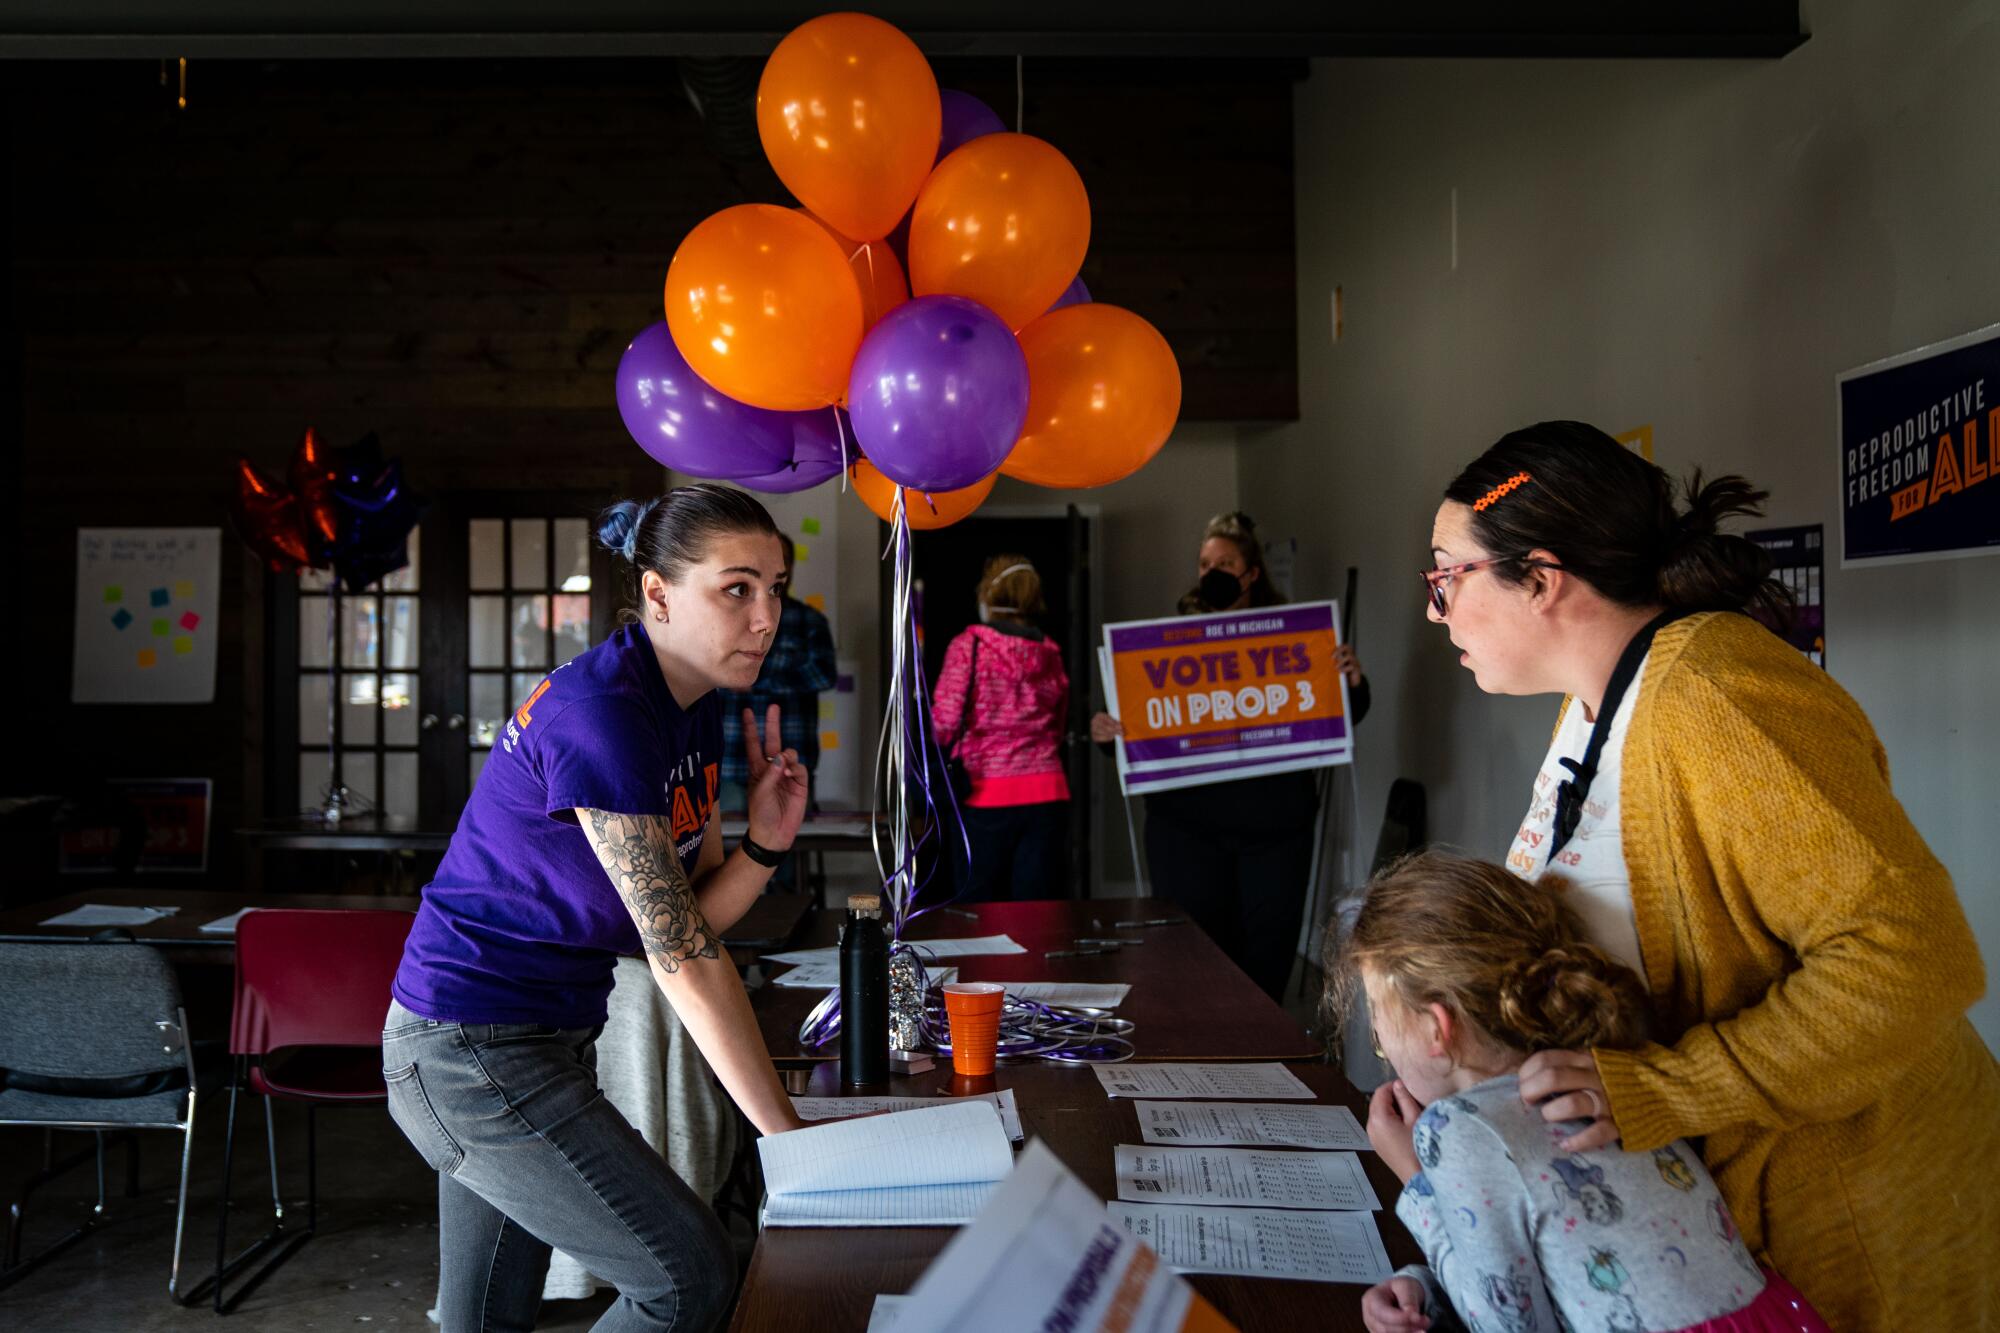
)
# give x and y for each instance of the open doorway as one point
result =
(947, 564)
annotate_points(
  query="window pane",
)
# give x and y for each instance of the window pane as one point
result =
(313, 768)
(489, 632)
(399, 782)
(357, 770)
(489, 569)
(572, 555)
(360, 632)
(399, 710)
(489, 708)
(405, 579)
(312, 710)
(400, 634)
(530, 640)
(478, 764)
(312, 632)
(531, 554)
(357, 719)
(572, 626)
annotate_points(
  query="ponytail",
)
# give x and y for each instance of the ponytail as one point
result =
(1614, 520)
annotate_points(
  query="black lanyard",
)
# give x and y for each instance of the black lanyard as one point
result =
(1575, 789)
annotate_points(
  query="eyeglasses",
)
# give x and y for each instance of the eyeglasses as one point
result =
(1436, 579)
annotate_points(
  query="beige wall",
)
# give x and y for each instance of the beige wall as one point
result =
(1696, 246)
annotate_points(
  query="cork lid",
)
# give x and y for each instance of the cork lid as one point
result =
(864, 902)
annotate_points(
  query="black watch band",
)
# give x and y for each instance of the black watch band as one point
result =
(763, 856)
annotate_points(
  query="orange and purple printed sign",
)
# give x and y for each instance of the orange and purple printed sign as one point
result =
(1234, 695)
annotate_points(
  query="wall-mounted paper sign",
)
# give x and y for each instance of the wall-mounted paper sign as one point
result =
(146, 615)
(1919, 467)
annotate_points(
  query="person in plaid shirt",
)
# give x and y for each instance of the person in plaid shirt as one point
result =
(797, 666)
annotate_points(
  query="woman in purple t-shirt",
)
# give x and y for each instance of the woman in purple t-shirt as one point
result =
(593, 832)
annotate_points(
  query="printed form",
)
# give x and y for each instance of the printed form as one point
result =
(1243, 1176)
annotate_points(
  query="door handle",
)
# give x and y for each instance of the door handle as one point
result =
(455, 721)
(429, 721)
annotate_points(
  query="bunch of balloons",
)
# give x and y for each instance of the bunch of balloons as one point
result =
(346, 510)
(929, 287)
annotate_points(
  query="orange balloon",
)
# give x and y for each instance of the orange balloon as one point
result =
(761, 302)
(927, 509)
(1104, 392)
(1004, 220)
(849, 115)
(876, 272)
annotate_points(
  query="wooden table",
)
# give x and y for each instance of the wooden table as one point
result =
(771, 921)
(835, 1274)
(1189, 1001)
(182, 931)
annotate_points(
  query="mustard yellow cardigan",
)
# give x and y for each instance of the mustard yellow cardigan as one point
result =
(1810, 968)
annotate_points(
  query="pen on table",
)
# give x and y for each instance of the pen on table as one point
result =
(1076, 953)
(1106, 944)
(960, 911)
(1150, 921)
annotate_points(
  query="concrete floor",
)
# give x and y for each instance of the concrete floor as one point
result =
(372, 1265)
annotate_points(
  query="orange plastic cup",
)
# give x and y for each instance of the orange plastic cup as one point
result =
(974, 1009)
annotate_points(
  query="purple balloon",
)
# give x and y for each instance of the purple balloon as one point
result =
(938, 393)
(797, 477)
(965, 118)
(674, 415)
(816, 437)
(1074, 294)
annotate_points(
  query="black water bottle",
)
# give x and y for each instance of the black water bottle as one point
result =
(864, 992)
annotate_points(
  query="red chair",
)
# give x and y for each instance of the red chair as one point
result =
(311, 991)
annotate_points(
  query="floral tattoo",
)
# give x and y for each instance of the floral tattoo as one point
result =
(637, 851)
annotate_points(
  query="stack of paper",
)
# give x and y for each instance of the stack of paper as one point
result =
(1199, 1080)
(928, 949)
(1080, 994)
(1044, 1256)
(1260, 1242)
(1245, 1176)
(100, 914)
(1232, 1124)
(836, 1108)
(933, 1167)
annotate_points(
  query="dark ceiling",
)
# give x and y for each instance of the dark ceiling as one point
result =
(69, 29)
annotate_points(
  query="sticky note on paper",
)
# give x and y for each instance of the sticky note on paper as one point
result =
(183, 644)
(159, 597)
(184, 589)
(147, 658)
(190, 620)
(817, 601)
(825, 708)
(122, 618)
(113, 593)
(829, 740)
(804, 552)
(809, 526)
(161, 629)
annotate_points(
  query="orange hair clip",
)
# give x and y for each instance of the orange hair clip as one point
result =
(1518, 479)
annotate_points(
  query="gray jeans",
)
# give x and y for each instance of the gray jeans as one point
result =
(530, 1155)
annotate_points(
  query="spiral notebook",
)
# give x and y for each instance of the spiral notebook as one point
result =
(934, 1167)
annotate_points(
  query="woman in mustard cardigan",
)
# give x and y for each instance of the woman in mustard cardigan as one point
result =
(1722, 813)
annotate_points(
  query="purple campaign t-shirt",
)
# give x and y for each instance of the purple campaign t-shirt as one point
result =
(522, 925)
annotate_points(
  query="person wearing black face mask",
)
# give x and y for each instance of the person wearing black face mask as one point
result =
(1236, 856)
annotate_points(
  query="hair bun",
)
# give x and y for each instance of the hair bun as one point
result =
(1703, 568)
(618, 526)
(1571, 998)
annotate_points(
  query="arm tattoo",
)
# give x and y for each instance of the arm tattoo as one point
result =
(637, 851)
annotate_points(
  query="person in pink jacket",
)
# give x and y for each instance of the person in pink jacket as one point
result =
(1000, 705)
